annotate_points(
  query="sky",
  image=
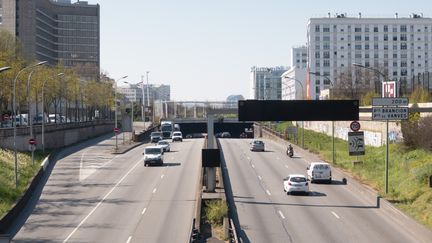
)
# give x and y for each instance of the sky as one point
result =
(205, 49)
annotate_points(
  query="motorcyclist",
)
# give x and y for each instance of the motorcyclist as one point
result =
(290, 149)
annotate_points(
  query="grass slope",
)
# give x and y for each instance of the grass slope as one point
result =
(9, 194)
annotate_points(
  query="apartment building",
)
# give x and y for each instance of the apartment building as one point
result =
(266, 83)
(399, 48)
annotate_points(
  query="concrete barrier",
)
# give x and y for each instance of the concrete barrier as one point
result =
(56, 135)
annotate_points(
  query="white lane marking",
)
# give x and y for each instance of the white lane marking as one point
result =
(260, 178)
(286, 166)
(281, 214)
(337, 216)
(129, 239)
(143, 211)
(268, 192)
(162, 176)
(248, 158)
(154, 190)
(101, 201)
(253, 166)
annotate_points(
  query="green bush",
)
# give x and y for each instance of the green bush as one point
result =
(215, 211)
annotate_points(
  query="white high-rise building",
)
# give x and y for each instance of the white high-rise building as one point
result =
(400, 47)
(266, 83)
(294, 80)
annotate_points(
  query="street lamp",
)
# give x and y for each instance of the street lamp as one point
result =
(148, 94)
(387, 123)
(301, 85)
(132, 110)
(333, 125)
(43, 110)
(115, 111)
(14, 116)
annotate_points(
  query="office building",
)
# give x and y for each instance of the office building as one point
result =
(266, 82)
(398, 47)
(134, 93)
(56, 31)
(299, 57)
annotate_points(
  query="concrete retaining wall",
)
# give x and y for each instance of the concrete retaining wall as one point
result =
(56, 135)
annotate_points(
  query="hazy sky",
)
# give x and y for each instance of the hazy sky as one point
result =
(204, 49)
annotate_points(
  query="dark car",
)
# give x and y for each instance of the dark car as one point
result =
(225, 135)
(155, 137)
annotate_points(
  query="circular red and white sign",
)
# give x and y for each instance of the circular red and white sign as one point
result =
(116, 130)
(32, 141)
(355, 126)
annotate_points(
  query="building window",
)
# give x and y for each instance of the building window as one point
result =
(317, 64)
(357, 29)
(376, 38)
(317, 54)
(394, 55)
(367, 47)
(403, 46)
(326, 38)
(394, 64)
(326, 46)
(367, 38)
(366, 29)
(403, 37)
(367, 64)
(317, 47)
(395, 73)
(385, 28)
(317, 28)
(394, 29)
(395, 38)
(326, 54)
(358, 47)
(367, 55)
(376, 55)
(385, 47)
(326, 29)
(385, 37)
(404, 64)
(357, 38)
(394, 47)
(403, 72)
(403, 28)
(326, 63)
(375, 29)
(317, 38)
(376, 46)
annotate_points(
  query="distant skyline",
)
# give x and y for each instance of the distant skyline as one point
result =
(204, 49)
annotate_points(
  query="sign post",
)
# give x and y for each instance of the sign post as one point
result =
(389, 108)
(116, 131)
(32, 144)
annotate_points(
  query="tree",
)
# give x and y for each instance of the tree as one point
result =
(419, 95)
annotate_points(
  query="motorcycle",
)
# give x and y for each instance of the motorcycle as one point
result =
(290, 151)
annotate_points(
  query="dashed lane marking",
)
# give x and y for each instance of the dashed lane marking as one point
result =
(337, 216)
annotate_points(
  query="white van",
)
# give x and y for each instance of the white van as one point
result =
(319, 171)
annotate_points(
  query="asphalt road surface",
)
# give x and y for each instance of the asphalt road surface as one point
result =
(95, 196)
(331, 213)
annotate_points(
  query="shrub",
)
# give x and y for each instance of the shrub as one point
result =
(215, 211)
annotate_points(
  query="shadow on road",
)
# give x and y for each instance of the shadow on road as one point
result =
(308, 205)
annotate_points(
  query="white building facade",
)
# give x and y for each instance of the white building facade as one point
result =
(266, 83)
(294, 80)
(399, 47)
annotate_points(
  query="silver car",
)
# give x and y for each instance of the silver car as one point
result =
(165, 145)
(257, 145)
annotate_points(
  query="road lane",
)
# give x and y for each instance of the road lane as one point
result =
(332, 213)
(108, 204)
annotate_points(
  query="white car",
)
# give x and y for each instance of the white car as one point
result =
(153, 155)
(319, 171)
(296, 183)
(177, 136)
(165, 145)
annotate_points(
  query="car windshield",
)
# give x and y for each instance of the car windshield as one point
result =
(177, 134)
(258, 142)
(152, 151)
(162, 143)
(298, 179)
(321, 167)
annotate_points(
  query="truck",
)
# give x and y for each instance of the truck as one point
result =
(167, 128)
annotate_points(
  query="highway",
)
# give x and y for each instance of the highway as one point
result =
(331, 213)
(95, 196)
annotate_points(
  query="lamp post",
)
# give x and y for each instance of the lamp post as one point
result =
(302, 123)
(387, 123)
(132, 110)
(43, 108)
(142, 102)
(115, 111)
(148, 94)
(333, 125)
(14, 117)
(30, 120)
